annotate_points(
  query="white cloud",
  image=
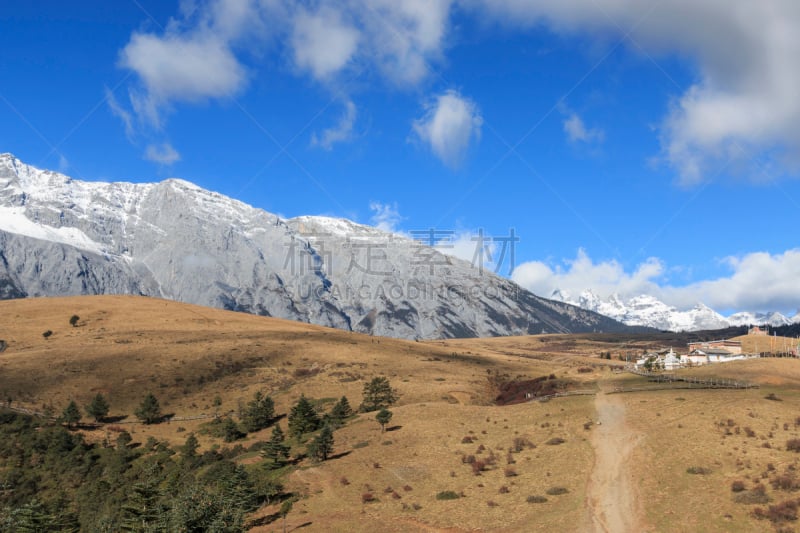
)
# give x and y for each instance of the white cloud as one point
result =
(322, 42)
(577, 132)
(450, 123)
(744, 102)
(474, 247)
(343, 131)
(575, 275)
(757, 281)
(386, 217)
(404, 37)
(182, 68)
(163, 154)
(118, 111)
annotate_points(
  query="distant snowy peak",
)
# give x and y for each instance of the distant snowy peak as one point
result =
(646, 310)
(775, 319)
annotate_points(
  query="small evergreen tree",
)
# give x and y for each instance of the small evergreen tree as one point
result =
(73, 320)
(286, 508)
(377, 394)
(341, 410)
(275, 450)
(322, 445)
(149, 410)
(71, 414)
(383, 417)
(189, 448)
(98, 408)
(303, 418)
(230, 430)
(259, 413)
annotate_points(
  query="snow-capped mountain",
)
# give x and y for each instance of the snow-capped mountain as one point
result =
(172, 239)
(648, 311)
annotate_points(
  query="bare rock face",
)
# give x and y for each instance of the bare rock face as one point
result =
(172, 239)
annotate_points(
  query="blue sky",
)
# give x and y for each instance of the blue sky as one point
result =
(633, 148)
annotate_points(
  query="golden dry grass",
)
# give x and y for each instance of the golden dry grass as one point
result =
(759, 344)
(186, 355)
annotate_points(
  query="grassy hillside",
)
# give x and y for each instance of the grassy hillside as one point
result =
(547, 465)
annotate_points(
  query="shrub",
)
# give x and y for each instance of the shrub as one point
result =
(416, 506)
(344, 481)
(478, 467)
(749, 432)
(407, 488)
(368, 497)
(785, 482)
(491, 503)
(556, 491)
(504, 489)
(510, 472)
(555, 441)
(467, 440)
(793, 445)
(737, 486)
(47, 334)
(699, 470)
(535, 499)
(782, 512)
(771, 396)
(447, 495)
(73, 320)
(757, 495)
(468, 459)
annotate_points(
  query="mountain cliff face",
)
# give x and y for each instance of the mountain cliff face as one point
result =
(648, 311)
(172, 239)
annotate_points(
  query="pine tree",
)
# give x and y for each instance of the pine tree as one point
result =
(149, 410)
(189, 448)
(230, 430)
(377, 394)
(142, 510)
(383, 417)
(259, 413)
(275, 451)
(322, 445)
(98, 408)
(71, 414)
(341, 410)
(303, 418)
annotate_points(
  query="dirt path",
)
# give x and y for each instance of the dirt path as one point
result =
(611, 500)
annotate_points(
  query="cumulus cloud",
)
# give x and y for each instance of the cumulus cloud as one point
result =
(342, 132)
(756, 282)
(322, 42)
(576, 275)
(475, 247)
(385, 217)
(404, 37)
(163, 154)
(181, 68)
(744, 100)
(451, 122)
(577, 131)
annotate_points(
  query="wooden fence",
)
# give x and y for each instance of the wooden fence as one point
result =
(692, 382)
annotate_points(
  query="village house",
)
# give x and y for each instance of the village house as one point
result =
(733, 347)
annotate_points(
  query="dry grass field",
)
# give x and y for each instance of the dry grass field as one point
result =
(187, 355)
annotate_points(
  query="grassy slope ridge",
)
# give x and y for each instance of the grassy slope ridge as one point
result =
(186, 355)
